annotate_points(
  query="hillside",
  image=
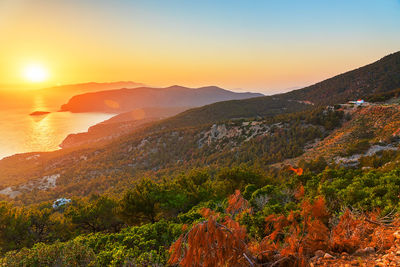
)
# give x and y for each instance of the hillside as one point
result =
(378, 80)
(373, 129)
(205, 198)
(378, 77)
(287, 139)
(123, 100)
(154, 150)
(128, 122)
(119, 125)
(234, 110)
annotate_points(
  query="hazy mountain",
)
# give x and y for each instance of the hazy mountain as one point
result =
(92, 86)
(122, 100)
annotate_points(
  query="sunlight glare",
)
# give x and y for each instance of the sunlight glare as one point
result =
(35, 73)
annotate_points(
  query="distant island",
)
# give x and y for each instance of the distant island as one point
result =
(39, 113)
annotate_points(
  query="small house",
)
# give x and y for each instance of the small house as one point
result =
(60, 202)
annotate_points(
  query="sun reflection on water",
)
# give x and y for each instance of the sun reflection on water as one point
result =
(41, 126)
(20, 132)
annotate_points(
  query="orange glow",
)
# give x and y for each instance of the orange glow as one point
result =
(142, 45)
(111, 104)
(138, 114)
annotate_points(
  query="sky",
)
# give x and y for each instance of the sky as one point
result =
(267, 46)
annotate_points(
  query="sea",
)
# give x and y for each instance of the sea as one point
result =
(20, 132)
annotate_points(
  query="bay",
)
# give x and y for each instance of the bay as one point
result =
(20, 132)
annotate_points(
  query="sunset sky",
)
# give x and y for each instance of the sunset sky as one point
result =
(265, 46)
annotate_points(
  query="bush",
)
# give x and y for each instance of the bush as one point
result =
(72, 253)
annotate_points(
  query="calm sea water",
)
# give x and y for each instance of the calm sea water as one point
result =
(20, 132)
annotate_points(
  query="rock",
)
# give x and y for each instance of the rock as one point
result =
(369, 250)
(319, 253)
(359, 252)
(328, 256)
(365, 251)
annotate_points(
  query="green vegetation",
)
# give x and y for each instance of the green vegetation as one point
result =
(140, 226)
(154, 154)
(357, 148)
(382, 97)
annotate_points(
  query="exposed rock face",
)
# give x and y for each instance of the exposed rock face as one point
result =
(378, 124)
(8, 191)
(354, 159)
(217, 132)
(46, 182)
(235, 134)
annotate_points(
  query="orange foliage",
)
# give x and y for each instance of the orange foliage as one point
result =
(352, 233)
(347, 235)
(298, 171)
(211, 243)
(295, 237)
(214, 242)
(290, 240)
(237, 204)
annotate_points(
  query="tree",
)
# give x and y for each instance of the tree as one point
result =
(142, 203)
(45, 225)
(96, 214)
(14, 228)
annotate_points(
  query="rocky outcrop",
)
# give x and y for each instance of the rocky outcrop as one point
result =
(367, 256)
(44, 183)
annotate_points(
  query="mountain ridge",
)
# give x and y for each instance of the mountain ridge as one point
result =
(377, 77)
(126, 99)
(93, 86)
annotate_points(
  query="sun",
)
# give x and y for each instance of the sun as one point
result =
(35, 73)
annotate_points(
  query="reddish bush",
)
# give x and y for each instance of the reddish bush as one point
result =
(214, 242)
